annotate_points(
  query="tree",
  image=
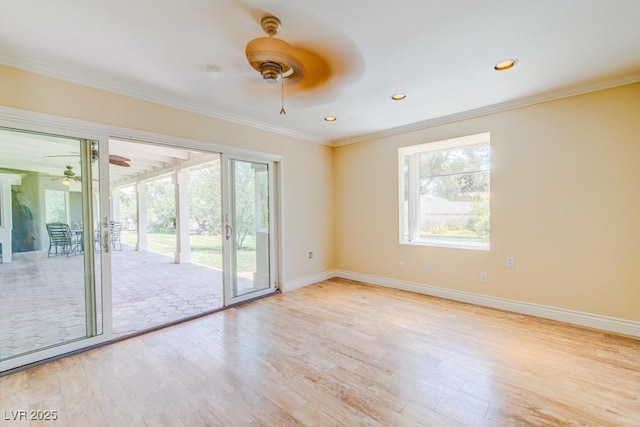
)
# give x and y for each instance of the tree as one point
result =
(457, 183)
(244, 197)
(128, 203)
(204, 196)
(161, 206)
(55, 206)
(457, 174)
(479, 222)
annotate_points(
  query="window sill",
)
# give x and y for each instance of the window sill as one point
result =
(475, 246)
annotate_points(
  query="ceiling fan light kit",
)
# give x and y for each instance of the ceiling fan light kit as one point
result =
(271, 72)
(68, 175)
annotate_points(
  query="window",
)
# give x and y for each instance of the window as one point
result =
(56, 206)
(444, 193)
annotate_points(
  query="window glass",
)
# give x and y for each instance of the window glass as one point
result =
(55, 204)
(445, 191)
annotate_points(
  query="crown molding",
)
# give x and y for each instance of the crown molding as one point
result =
(77, 128)
(73, 77)
(34, 66)
(490, 109)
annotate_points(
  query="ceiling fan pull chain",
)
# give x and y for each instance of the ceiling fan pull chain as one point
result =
(282, 86)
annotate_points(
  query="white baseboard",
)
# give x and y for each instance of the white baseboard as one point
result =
(308, 280)
(596, 321)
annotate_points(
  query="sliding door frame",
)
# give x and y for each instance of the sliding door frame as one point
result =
(92, 131)
(91, 338)
(228, 189)
(105, 250)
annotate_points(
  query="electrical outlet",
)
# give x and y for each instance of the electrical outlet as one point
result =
(401, 265)
(310, 255)
(510, 262)
(427, 268)
(483, 277)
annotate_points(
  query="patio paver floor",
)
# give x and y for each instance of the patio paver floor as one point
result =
(42, 299)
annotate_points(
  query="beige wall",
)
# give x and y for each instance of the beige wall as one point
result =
(564, 197)
(564, 203)
(306, 167)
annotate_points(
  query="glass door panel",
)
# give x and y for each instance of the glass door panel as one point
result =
(248, 236)
(166, 258)
(48, 295)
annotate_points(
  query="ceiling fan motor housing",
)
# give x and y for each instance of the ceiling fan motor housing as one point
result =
(271, 54)
(274, 58)
(68, 172)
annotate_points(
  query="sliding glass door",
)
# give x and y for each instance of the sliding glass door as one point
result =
(103, 238)
(50, 280)
(167, 258)
(248, 229)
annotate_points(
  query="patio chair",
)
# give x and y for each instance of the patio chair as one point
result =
(77, 237)
(61, 242)
(116, 231)
(97, 239)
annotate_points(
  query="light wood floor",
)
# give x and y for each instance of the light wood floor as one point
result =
(343, 353)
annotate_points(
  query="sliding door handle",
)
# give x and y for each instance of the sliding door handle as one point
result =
(229, 232)
(105, 242)
(105, 239)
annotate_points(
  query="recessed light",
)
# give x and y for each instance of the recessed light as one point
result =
(330, 119)
(505, 64)
(398, 96)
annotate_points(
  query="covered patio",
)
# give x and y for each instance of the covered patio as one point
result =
(42, 306)
(150, 289)
(156, 193)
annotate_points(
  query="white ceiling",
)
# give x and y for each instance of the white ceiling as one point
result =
(49, 156)
(441, 53)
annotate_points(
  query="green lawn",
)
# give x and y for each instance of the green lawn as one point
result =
(206, 250)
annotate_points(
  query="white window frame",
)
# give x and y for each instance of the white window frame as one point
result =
(411, 222)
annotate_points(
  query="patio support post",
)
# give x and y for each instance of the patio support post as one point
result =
(141, 216)
(183, 243)
(6, 223)
(115, 204)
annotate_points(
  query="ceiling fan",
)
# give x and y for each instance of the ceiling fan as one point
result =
(277, 61)
(67, 176)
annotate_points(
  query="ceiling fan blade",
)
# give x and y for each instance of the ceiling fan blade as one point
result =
(118, 158)
(114, 159)
(64, 155)
(119, 163)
